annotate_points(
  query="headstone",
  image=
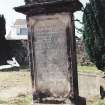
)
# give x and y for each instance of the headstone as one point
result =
(51, 54)
(52, 48)
(88, 89)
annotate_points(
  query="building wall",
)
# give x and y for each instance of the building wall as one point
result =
(13, 33)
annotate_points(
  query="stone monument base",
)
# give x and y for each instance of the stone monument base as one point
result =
(51, 104)
(51, 101)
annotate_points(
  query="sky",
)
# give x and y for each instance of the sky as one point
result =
(6, 8)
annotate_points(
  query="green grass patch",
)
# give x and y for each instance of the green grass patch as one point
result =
(3, 102)
(88, 69)
(21, 100)
(96, 102)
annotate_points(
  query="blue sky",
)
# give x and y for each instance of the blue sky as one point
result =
(6, 8)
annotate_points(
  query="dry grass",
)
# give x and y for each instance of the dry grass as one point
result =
(96, 101)
(9, 80)
(16, 84)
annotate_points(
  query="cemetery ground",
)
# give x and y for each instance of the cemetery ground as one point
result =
(15, 87)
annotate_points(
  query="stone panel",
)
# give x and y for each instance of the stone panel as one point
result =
(51, 54)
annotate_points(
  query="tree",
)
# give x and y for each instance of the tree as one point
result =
(19, 51)
(94, 30)
(2, 27)
(3, 44)
(10, 48)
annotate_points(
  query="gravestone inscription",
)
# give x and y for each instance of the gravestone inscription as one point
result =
(51, 54)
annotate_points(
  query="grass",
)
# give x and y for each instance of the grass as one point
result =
(96, 101)
(3, 102)
(16, 79)
(100, 102)
(21, 78)
(21, 100)
(10, 79)
(88, 69)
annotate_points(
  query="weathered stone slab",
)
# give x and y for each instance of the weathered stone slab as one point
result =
(89, 85)
(50, 47)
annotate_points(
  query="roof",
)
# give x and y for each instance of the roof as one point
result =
(20, 22)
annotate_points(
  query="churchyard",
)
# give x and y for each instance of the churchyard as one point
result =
(15, 87)
(54, 77)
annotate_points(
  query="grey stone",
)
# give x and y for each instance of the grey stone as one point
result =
(51, 54)
(89, 85)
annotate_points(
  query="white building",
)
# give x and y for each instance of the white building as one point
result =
(18, 31)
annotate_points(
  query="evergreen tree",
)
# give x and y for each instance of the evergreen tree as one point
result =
(10, 48)
(2, 27)
(94, 30)
(3, 43)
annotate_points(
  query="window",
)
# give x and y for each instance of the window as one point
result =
(22, 31)
(18, 31)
